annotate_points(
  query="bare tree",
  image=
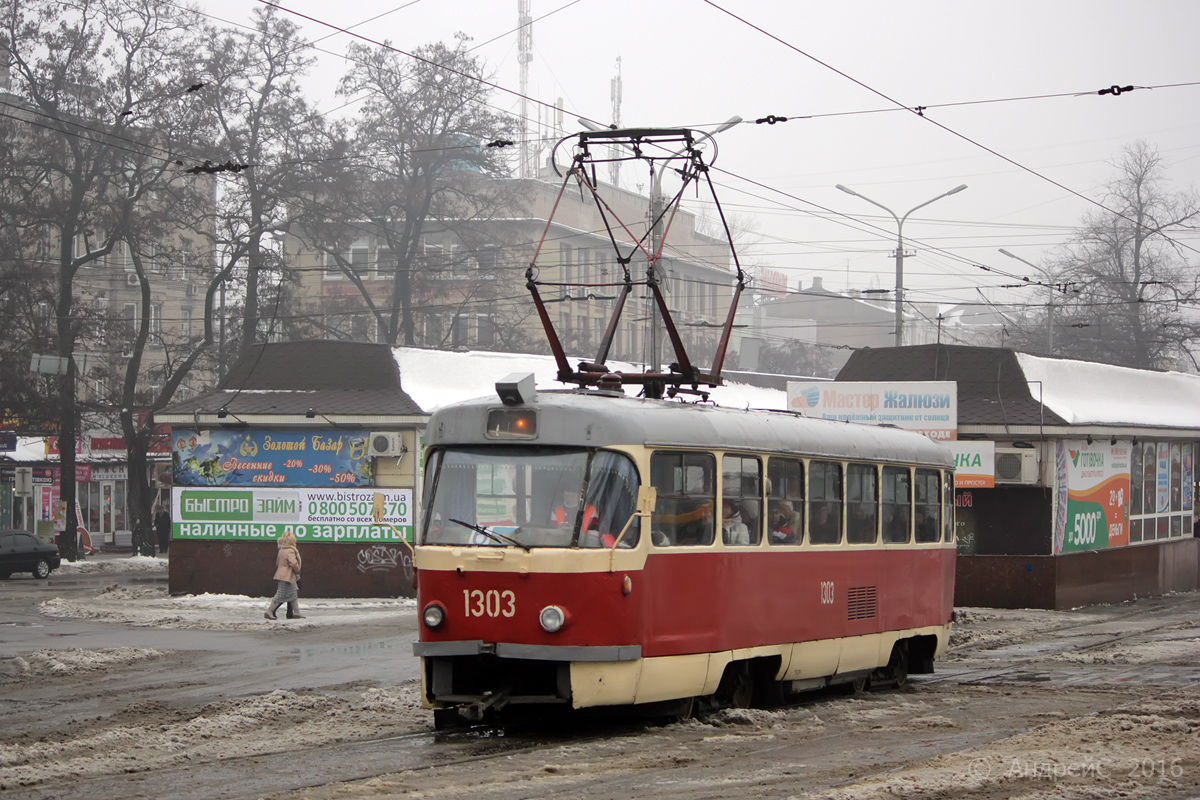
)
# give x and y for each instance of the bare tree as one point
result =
(100, 87)
(1122, 291)
(428, 150)
(274, 142)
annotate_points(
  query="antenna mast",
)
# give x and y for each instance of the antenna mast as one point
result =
(524, 56)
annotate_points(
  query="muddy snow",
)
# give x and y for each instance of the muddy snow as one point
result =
(1100, 702)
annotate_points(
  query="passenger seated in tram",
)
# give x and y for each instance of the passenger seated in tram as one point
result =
(782, 522)
(733, 530)
(895, 525)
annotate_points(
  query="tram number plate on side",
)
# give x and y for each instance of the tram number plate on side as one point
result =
(826, 593)
(491, 603)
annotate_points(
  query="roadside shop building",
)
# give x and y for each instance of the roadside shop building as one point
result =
(1088, 494)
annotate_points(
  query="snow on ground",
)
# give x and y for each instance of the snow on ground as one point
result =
(153, 736)
(153, 607)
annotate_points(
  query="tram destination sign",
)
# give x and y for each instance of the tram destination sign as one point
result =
(329, 516)
(928, 407)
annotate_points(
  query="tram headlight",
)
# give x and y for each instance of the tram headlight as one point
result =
(552, 619)
(433, 616)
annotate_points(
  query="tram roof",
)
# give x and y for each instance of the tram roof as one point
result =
(597, 419)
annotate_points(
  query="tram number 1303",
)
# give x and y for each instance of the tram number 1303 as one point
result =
(826, 593)
(491, 603)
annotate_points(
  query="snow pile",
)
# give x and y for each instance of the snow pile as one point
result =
(107, 565)
(74, 661)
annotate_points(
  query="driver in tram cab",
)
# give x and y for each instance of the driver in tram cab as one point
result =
(564, 513)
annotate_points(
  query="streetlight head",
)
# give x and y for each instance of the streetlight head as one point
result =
(727, 124)
(1006, 253)
(847, 190)
(957, 189)
(591, 126)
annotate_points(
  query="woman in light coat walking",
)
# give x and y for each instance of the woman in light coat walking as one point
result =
(287, 572)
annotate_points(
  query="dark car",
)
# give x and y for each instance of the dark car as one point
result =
(21, 551)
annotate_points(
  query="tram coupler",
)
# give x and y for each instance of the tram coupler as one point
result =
(474, 711)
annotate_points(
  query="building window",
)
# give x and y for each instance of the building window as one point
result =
(385, 262)
(185, 323)
(187, 256)
(359, 260)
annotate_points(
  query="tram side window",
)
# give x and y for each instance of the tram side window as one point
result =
(897, 504)
(862, 503)
(948, 507)
(741, 500)
(785, 501)
(686, 485)
(928, 486)
(825, 502)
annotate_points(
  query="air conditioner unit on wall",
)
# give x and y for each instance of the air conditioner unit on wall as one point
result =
(1014, 465)
(386, 444)
(131, 279)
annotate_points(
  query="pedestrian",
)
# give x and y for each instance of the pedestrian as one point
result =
(162, 525)
(287, 573)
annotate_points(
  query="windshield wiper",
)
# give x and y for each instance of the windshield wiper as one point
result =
(498, 538)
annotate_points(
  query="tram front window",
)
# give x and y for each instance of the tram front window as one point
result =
(530, 496)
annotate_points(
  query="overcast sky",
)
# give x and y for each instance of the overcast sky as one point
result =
(695, 63)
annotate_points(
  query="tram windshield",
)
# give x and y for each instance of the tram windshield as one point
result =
(530, 497)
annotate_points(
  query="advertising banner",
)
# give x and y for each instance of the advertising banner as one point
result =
(928, 407)
(250, 457)
(314, 515)
(974, 465)
(1093, 495)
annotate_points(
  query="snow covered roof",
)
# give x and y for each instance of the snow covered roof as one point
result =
(1084, 392)
(435, 378)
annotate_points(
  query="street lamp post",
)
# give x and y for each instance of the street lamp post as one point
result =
(900, 249)
(1049, 302)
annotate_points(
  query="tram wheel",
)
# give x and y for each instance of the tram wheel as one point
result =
(736, 689)
(857, 686)
(898, 665)
(686, 710)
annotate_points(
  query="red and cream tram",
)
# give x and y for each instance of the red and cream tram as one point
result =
(582, 548)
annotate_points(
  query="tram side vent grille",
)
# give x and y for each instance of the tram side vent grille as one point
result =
(860, 604)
